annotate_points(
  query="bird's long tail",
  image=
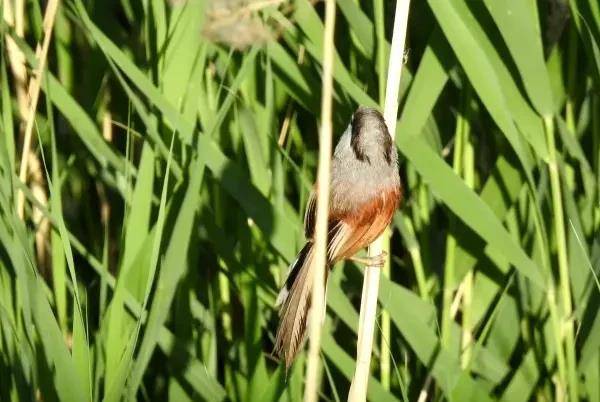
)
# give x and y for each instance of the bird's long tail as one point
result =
(294, 303)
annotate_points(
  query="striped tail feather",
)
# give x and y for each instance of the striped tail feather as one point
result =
(294, 303)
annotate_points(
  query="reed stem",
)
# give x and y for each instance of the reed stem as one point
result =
(318, 285)
(34, 93)
(384, 362)
(368, 307)
(386, 328)
(563, 262)
(469, 177)
(596, 156)
(449, 263)
(378, 7)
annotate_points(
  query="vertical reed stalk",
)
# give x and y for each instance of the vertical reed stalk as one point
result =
(380, 35)
(386, 327)
(449, 263)
(449, 285)
(14, 18)
(551, 298)
(570, 95)
(34, 93)
(415, 255)
(105, 209)
(368, 308)
(571, 70)
(596, 155)
(563, 263)
(560, 355)
(469, 177)
(384, 363)
(422, 222)
(318, 285)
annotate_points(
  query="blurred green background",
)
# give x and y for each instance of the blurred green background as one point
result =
(174, 145)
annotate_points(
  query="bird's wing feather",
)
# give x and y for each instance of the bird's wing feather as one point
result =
(310, 215)
(365, 224)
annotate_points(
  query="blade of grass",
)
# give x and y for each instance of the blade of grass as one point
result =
(518, 25)
(480, 72)
(338, 357)
(174, 265)
(563, 263)
(412, 323)
(466, 205)
(139, 364)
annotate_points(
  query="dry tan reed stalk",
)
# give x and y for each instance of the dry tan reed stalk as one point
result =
(424, 394)
(368, 304)
(289, 114)
(42, 233)
(15, 18)
(34, 94)
(318, 286)
(38, 189)
(107, 134)
(15, 56)
(20, 17)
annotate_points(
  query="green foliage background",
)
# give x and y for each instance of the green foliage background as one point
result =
(169, 241)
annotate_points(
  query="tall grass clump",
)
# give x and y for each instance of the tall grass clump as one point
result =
(155, 162)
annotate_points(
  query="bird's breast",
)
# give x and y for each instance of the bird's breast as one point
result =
(354, 185)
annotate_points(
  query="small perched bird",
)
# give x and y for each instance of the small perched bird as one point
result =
(365, 191)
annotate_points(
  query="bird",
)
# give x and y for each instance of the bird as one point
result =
(365, 191)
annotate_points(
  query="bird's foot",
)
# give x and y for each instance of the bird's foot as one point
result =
(374, 261)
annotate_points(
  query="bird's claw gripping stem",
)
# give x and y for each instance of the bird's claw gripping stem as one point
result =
(374, 261)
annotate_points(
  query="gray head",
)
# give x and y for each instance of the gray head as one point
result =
(365, 161)
(370, 139)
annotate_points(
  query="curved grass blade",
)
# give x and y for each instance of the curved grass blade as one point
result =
(467, 205)
(173, 265)
(480, 72)
(518, 24)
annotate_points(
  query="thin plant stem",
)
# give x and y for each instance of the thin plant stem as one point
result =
(378, 7)
(571, 70)
(556, 329)
(563, 262)
(225, 299)
(368, 307)
(570, 98)
(384, 362)
(15, 17)
(422, 221)
(405, 225)
(385, 351)
(15, 55)
(20, 17)
(318, 286)
(353, 60)
(596, 155)
(449, 263)
(467, 310)
(468, 160)
(34, 93)
(550, 296)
